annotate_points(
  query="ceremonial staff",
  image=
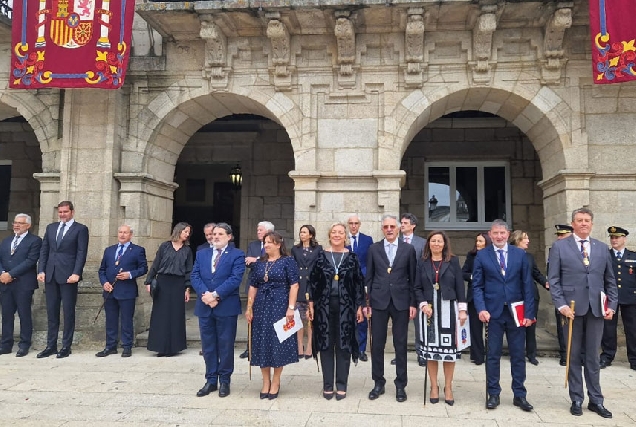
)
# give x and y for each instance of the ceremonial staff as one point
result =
(486, 362)
(249, 347)
(369, 337)
(102, 307)
(422, 340)
(309, 325)
(567, 363)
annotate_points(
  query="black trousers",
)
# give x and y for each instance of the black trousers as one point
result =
(531, 341)
(379, 325)
(15, 298)
(335, 358)
(608, 344)
(476, 334)
(560, 336)
(56, 294)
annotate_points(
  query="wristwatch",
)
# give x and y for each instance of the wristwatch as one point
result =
(291, 307)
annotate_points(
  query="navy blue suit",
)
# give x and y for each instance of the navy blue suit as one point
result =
(495, 292)
(218, 325)
(18, 294)
(120, 302)
(58, 263)
(364, 243)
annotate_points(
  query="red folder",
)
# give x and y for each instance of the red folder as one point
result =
(517, 310)
(604, 303)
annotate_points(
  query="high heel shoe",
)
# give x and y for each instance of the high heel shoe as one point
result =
(327, 395)
(272, 396)
(263, 395)
(340, 396)
(434, 399)
(449, 402)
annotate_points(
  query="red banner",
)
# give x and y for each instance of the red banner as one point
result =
(70, 43)
(613, 29)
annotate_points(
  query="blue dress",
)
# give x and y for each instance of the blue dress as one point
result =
(270, 305)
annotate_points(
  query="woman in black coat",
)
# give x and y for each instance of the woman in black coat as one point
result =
(335, 306)
(305, 253)
(440, 292)
(476, 326)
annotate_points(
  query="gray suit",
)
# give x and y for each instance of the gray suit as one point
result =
(571, 280)
(418, 243)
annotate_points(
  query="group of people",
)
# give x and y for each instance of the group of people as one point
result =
(341, 292)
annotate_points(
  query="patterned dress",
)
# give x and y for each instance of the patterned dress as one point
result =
(270, 305)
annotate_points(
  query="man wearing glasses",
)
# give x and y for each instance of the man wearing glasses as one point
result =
(390, 277)
(359, 244)
(18, 279)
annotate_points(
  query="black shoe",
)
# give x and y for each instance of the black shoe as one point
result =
(533, 360)
(106, 352)
(393, 361)
(493, 402)
(377, 391)
(632, 367)
(576, 409)
(449, 402)
(340, 396)
(478, 362)
(328, 395)
(562, 362)
(599, 409)
(434, 399)
(245, 354)
(263, 395)
(605, 363)
(65, 352)
(207, 389)
(224, 390)
(363, 357)
(421, 361)
(127, 352)
(5, 351)
(272, 396)
(522, 403)
(400, 395)
(22, 352)
(49, 351)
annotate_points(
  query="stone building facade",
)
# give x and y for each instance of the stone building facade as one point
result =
(329, 108)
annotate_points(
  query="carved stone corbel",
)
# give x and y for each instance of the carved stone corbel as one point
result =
(414, 47)
(215, 67)
(346, 41)
(280, 53)
(482, 44)
(553, 43)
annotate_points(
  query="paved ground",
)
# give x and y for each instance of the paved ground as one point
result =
(144, 390)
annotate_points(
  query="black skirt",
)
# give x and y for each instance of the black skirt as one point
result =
(167, 332)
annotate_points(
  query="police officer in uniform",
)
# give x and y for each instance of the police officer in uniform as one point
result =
(624, 262)
(562, 231)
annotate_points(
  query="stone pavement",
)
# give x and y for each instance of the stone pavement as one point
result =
(144, 390)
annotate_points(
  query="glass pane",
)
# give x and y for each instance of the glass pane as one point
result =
(439, 194)
(466, 194)
(495, 193)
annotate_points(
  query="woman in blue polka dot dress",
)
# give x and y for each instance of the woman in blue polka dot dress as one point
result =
(272, 296)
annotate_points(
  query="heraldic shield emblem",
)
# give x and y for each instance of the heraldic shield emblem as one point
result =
(70, 22)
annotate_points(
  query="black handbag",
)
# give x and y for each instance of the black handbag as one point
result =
(153, 288)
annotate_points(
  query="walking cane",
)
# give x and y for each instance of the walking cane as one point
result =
(567, 363)
(369, 337)
(102, 307)
(309, 325)
(486, 362)
(422, 337)
(249, 348)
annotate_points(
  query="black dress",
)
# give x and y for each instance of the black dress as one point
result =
(167, 334)
(305, 258)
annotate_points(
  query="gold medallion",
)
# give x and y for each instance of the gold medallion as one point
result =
(265, 278)
(388, 270)
(436, 286)
(336, 277)
(116, 262)
(586, 262)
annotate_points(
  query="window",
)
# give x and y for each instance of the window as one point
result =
(5, 192)
(466, 195)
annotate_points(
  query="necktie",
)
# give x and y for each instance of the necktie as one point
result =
(619, 255)
(407, 239)
(391, 254)
(584, 254)
(120, 252)
(262, 249)
(355, 243)
(502, 260)
(216, 260)
(60, 234)
(15, 244)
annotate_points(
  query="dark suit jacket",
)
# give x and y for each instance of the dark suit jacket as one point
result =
(537, 276)
(626, 280)
(418, 243)
(133, 260)
(59, 263)
(467, 272)
(206, 245)
(305, 261)
(491, 289)
(571, 280)
(451, 281)
(22, 264)
(226, 281)
(254, 249)
(398, 285)
(364, 243)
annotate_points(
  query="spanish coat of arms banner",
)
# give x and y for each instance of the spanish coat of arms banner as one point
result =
(613, 29)
(70, 43)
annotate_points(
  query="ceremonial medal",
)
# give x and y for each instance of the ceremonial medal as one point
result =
(336, 277)
(117, 262)
(631, 271)
(503, 272)
(265, 278)
(436, 286)
(337, 266)
(586, 262)
(388, 270)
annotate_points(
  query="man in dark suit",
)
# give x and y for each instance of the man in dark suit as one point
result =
(390, 281)
(562, 231)
(581, 271)
(62, 259)
(255, 250)
(501, 277)
(359, 244)
(207, 232)
(18, 259)
(624, 264)
(121, 265)
(216, 278)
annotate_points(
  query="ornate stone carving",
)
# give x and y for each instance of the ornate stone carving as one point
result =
(482, 44)
(346, 39)
(280, 52)
(215, 67)
(553, 43)
(414, 47)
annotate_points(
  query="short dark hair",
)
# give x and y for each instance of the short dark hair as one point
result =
(582, 210)
(225, 226)
(410, 217)
(66, 203)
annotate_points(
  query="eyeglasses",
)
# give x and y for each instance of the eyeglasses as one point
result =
(19, 223)
(389, 226)
(354, 223)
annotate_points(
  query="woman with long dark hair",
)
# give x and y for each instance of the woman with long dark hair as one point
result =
(305, 253)
(272, 296)
(171, 268)
(476, 326)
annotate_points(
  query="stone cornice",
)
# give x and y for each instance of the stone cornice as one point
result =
(145, 183)
(568, 179)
